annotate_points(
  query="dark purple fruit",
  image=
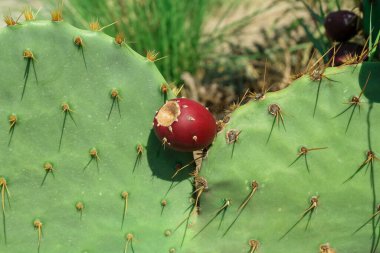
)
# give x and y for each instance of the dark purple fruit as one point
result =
(348, 53)
(341, 25)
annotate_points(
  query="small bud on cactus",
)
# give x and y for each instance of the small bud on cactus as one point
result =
(184, 125)
(341, 25)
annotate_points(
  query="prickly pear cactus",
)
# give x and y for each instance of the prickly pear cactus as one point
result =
(296, 171)
(81, 170)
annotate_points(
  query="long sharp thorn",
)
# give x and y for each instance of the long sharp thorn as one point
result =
(291, 228)
(365, 85)
(369, 161)
(222, 218)
(253, 249)
(368, 221)
(245, 202)
(11, 132)
(180, 224)
(38, 226)
(310, 210)
(282, 121)
(26, 72)
(8, 195)
(137, 161)
(118, 107)
(350, 119)
(125, 197)
(39, 237)
(125, 206)
(84, 58)
(88, 164)
(317, 98)
(26, 76)
(200, 191)
(233, 149)
(307, 164)
(63, 129)
(72, 118)
(331, 80)
(223, 208)
(254, 187)
(104, 27)
(345, 110)
(226, 204)
(356, 172)
(309, 219)
(3, 198)
(34, 70)
(232, 223)
(328, 51)
(298, 157)
(197, 190)
(113, 103)
(376, 245)
(311, 149)
(271, 130)
(186, 165)
(278, 120)
(44, 179)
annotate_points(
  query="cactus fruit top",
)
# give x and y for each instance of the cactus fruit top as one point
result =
(341, 25)
(184, 125)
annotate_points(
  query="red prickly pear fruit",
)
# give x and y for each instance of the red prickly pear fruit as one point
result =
(341, 25)
(184, 125)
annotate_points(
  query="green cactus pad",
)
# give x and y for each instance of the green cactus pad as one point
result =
(287, 199)
(371, 16)
(74, 107)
